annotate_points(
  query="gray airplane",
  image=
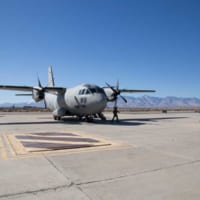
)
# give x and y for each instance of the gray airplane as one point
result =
(84, 101)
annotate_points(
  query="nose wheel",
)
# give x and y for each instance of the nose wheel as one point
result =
(57, 118)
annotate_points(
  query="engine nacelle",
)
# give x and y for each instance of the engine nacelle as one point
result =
(38, 95)
(109, 94)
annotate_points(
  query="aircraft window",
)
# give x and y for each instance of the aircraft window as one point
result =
(93, 90)
(100, 90)
(87, 92)
(83, 91)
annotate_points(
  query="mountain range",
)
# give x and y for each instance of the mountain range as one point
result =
(158, 102)
(133, 102)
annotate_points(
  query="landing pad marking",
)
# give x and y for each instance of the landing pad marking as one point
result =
(2, 150)
(51, 142)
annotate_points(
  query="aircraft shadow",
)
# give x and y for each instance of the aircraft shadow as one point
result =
(102, 122)
(151, 119)
(25, 123)
(135, 121)
(75, 121)
(38, 123)
(119, 123)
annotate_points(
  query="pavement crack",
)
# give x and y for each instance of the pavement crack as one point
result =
(137, 174)
(71, 182)
(81, 190)
(58, 169)
(34, 192)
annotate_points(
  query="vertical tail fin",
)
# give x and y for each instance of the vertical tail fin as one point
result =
(51, 82)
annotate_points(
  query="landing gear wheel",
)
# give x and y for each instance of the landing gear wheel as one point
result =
(89, 119)
(102, 117)
(57, 118)
(79, 117)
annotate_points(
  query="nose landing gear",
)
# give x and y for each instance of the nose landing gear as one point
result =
(58, 118)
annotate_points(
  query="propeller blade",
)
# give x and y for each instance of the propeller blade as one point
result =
(115, 91)
(115, 105)
(117, 86)
(123, 99)
(45, 104)
(39, 82)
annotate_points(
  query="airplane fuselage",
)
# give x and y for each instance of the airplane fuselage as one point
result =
(82, 100)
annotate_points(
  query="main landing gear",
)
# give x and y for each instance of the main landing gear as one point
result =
(90, 118)
(87, 118)
(102, 116)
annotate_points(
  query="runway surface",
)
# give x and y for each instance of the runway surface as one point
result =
(144, 156)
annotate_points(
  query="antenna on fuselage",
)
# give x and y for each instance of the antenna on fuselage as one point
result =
(51, 82)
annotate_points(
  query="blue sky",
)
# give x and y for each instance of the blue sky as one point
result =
(145, 44)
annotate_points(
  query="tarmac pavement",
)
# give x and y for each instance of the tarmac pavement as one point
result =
(145, 156)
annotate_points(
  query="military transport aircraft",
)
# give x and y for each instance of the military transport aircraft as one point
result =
(84, 101)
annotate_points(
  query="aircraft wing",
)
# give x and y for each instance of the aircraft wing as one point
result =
(134, 91)
(16, 88)
(55, 89)
(30, 89)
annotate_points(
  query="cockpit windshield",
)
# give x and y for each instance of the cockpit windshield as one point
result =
(84, 92)
(91, 90)
(96, 90)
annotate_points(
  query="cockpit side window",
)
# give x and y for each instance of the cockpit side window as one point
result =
(100, 90)
(93, 90)
(83, 91)
(87, 91)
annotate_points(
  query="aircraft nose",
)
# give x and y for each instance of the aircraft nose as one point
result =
(101, 103)
(103, 99)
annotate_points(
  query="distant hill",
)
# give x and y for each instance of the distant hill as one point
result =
(133, 102)
(22, 104)
(157, 102)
